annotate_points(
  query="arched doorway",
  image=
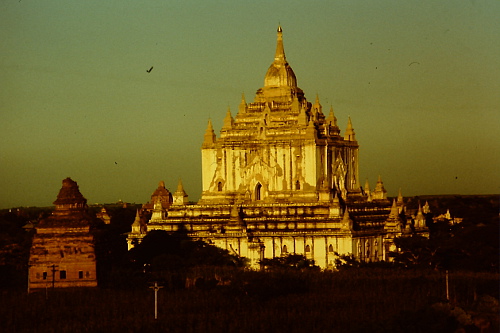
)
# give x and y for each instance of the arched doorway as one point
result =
(258, 191)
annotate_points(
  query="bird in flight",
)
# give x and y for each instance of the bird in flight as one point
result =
(149, 70)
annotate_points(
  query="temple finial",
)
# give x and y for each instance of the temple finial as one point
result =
(280, 50)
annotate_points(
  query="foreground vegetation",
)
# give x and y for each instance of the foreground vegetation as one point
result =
(353, 300)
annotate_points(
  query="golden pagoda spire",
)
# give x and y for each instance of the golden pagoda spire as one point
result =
(280, 74)
(280, 50)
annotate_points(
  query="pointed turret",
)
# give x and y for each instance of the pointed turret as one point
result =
(349, 132)
(394, 210)
(379, 193)
(180, 196)
(228, 121)
(393, 222)
(400, 198)
(317, 108)
(420, 218)
(331, 120)
(243, 104)
(400, 202)
(419, 211)
(210, 137)
(136, 226)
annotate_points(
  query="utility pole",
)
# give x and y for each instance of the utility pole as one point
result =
(54, 270)
(447, 287)
(156, 287)
(29, 278)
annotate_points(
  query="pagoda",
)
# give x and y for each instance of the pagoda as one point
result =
(62, 253)
(281, 178)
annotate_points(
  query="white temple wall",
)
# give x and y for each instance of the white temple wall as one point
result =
(209, 167)
(310, 161)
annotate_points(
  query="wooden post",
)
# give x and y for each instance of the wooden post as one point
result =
(447, 287)
(54, 270)
(156, 287)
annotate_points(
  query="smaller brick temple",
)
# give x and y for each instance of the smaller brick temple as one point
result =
(62, 254)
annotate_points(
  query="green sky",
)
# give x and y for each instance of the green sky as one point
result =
(420, 80)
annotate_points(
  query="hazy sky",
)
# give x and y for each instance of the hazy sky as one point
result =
(420, 80)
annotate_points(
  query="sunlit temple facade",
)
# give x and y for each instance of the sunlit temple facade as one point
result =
(281, 178)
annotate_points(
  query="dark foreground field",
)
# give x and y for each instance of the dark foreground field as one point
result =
(361, 300)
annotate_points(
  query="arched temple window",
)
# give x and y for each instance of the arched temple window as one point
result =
(258, 189)
(330, 248)
(297, 185)
(285, 250)
(219, 186)
(308, 248)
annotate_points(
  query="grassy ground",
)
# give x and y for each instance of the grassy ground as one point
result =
(351, 301)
